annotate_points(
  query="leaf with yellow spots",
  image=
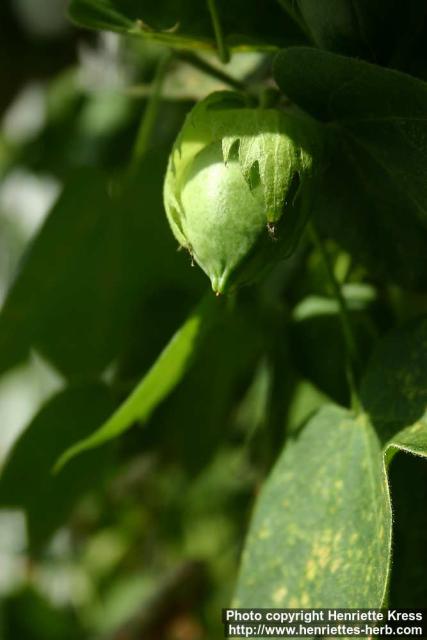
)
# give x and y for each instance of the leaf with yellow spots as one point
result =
(330, 546)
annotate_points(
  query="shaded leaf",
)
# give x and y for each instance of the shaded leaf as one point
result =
(196, 418)
(336, 86)
(385, 111)
(169, 368)
(62, 271)
(320, 534)
(306, 401)
(376, 184)
(394, 390)
(371, 29)
(27, 481)
(100, 254)
(363, 210)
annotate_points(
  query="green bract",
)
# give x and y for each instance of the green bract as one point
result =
(239, 186)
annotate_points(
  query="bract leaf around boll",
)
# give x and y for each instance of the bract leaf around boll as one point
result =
(239, 185)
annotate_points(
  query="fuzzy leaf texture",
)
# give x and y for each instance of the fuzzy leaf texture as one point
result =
(321, 531)
(377, 130)
(320, 535)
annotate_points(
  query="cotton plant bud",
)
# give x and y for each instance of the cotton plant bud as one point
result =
(239, 186)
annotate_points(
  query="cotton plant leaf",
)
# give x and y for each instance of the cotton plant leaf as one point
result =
(166, 372)
(383, 110)
(321, 532)
(219, 373)
(112, 253)
(373, 196)
(373, 29)
(42, 305)
(394, 389)
(327, 499)
(26, 479)
(369, 216)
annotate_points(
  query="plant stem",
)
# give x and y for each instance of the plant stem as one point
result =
(223, 52)
(150, 114)
(351, 347)
(202, 65)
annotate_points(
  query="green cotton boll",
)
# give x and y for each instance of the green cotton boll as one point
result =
(223, 216)
(239, 186)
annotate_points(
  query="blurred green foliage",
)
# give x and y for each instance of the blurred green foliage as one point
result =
(142, 537)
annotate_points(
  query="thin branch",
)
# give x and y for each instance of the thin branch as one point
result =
(223, 51)
(151, 110)
(204, 66)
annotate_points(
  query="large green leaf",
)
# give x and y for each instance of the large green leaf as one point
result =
(62, 275)
(102, 253)
(323, 522)
(374, 195)
(26, 480)
(187, 23)
(371, 29)
(222, 368)
(369, 216)
(159, 381)
(394, 389)
(394, 393)
(385, 111)
(321, 532)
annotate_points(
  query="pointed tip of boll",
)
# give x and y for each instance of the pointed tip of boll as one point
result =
(219, 284)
